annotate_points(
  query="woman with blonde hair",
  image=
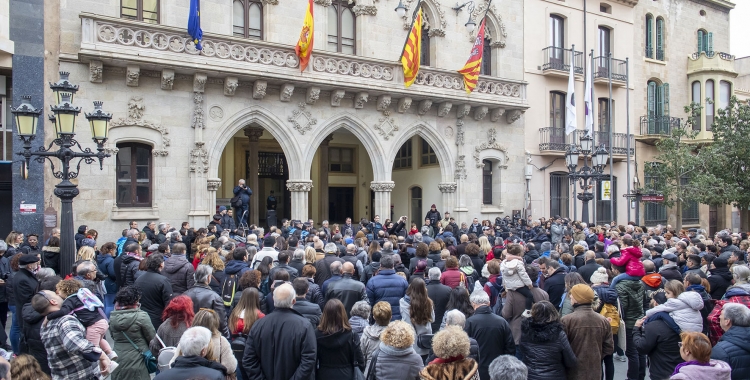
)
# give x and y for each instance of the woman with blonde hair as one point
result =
(485, 247)
(14, 241)
(396, 358)
(217, 278)
(26, 367)
(219, 350)
(309, 255)
(451, 347)
(86, 253)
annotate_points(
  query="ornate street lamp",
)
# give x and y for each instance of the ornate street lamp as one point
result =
(592, 169)
(400, 9)
(64, 119)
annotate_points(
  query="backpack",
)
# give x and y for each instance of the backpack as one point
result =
(591, 240)
(228, 289)
(610, 311)
(238, 346)
(495, 291)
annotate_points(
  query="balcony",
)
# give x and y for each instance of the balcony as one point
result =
(553, 141)
(654, 128)
(557, 62)
(711, 61)
(117, 42)
(650, 53)
(602, 71)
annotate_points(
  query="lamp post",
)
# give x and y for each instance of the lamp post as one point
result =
(64, 119)
(592, 169)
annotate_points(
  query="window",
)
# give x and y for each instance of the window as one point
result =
(341, 27)
(341, 160)
(660, 38)
(248, 19)
(557, 109)
(487, 182)
(649, 36)
(725, 92)
(696, 98)
(140, 10)
(689, 208)
(133, 175)
(403, 156)
(656, 212)
(416, 205)
(705, 42)
(604, 121)
(604, 8)
(424, 58)
(486, 68)
(709, 104)
(605, 38)
(428, 154)
(557, 30)
(658, 108)
(559, 193)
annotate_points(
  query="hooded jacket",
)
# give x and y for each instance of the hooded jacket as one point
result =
(631, 300)
(236, 267)
(51, 258)
(630, 258)
(179, 272)
(106, 265)
(715, 370)
(128, 269)
(720, 280)
(337, 354)
(545, 350)
(661, 343)
(156, 292)
(590, 337)
(370, 340)
(734, 348)
(397, 363)
(137, 325)
(685, 310)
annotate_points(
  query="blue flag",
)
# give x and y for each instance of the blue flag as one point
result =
(194, 23)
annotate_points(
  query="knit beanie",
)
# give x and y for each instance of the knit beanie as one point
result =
(582, 293)
(599, 276)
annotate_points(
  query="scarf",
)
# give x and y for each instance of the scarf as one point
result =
(135, 256)
(447, 360)
(692, 362)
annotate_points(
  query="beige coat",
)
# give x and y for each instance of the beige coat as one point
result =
(515, 304)
(590, 337)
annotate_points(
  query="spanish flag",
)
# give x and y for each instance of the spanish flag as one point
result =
(305, 44)
(473, 65)
(412, 51)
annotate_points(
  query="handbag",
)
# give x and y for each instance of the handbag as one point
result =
(621, 333)
(358, 375)
(148, 358)
(165, 356)
(424, 341)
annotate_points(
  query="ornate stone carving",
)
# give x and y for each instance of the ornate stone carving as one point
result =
(463, 110)
(287, 90)
(167, 79)
(424, 106)
(384, 101)
(213, 184)
(386, 125)
(259, 89)
(404, 104)
(437, 27)
(360, 99)
(270, 2)
(325, 3)
(132, 75)
(136, 109)
(216, 113)
(491, 86)
(444, 108)
(480, 112)
(360, 10)
(354, 67)
(460, 133)
(496, 87)
(299, 185)
(382, 185)
(497, 40)
(491, 143)
(336, 96)
(513, 115)
(447, 187)
(198, 116)
(440, 80)
(96, 68)
(199, 82)
(199, 158)
(460, 168)
(496, 113)
(448, 132)
(313, 94)
(230, 85)
(253, 133)
(301, 119)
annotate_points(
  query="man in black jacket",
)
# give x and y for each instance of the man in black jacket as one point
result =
(589, 267)
(282, 344)
(323, 267)
(25, 283)
(347, 290)
(156, 290)
(149, 229)
(309, 310)
(490, 330)
(659, 339)
(433, 216)
(554, 284)
(205, 298)
(720, 278)
(439, 294)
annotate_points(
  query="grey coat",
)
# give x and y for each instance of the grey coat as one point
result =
(404, 305)
(397, 364)
(179, 271)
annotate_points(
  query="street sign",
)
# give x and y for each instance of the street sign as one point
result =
(28, 208)
(652, 198)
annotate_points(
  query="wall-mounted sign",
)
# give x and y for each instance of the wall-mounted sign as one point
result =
(28, 208)
(606, 191)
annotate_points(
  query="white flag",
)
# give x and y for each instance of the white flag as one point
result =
(587, 103)
(570, 99)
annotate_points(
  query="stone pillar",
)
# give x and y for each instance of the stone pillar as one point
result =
(323, 182)
(300, 189)
(212, 185)
(449, 196)
(252, 182)
(382, 198)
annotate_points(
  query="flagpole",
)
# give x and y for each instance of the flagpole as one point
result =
(611, 136)
(413, 19)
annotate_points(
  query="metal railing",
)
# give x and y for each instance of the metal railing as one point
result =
(711, 54)
(556, 58)
(658, 125)
(601, 69)
(555, 139)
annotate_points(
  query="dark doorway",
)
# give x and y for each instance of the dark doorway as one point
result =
(340, 204)
(713, 219)
(273, 172)
(603, 210)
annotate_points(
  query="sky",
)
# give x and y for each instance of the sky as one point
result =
(739, 29)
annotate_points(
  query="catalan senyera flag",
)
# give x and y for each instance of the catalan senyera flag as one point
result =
(305, 44)
(412, 51)
(473, 65)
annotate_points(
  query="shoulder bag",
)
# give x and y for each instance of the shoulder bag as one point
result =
(165, 356)
(371, 368)
(621, 333)
(148, 358)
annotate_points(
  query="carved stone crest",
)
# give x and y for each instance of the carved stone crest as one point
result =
(230, 85)
(199, 82)
(424, 106)
(386, 125)
(444, 108)
(167, 79)
(447, 187)
(299, 185)
(132, 75)
(513, 115)
(460, 168)
(448, 132)
(287, 90)
(382, 185)
(360, 99)
(136, 109)
(404, 104)
(199, 158)
(491, 143)
(463, 110)
(336, 96)
(360, 10)
(301, 119)
(96, 68)
(216, 113)
(313, 94)
(259, 89)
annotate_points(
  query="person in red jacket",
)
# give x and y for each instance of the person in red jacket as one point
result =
(452, 277)
(630, 258)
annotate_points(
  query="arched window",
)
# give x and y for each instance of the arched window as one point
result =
(133, 175)
(487, 182)
(248, 19)
(660, 38)
(649, 36)
(559, 194)
(486, 68)
(705, 42)
(424, 58)
(725, 92)
(341, 27)
(696, 98)
(710, 96)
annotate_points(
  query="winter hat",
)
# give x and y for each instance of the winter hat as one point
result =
(582, 293)
(88, 242)
(348, 241)
(720, 262)
(627, 236)
(433, 206)
(659, 296)
(670, 256)
(599, 276)
(222, 208)
(28, 258)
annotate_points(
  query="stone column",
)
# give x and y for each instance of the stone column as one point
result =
(300, 189)
(252, 182)
(212, 184)
(449, 195)
(382, 198)
(323, 182)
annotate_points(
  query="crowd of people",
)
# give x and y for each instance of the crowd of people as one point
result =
(493, 300)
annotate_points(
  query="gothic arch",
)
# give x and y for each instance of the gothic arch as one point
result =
(365, 135)
(434, 13)
(264, 118)
(438, 143)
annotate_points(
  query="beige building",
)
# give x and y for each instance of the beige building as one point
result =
(6, 66)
